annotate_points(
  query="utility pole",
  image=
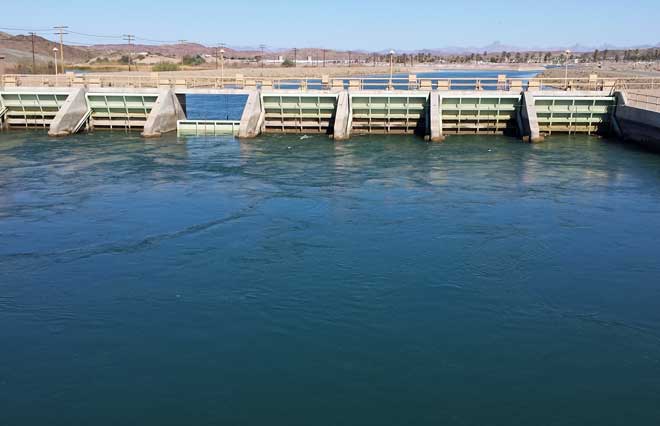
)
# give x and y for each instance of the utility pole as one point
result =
(295, 56)
(61, 32)
(34, 61)
(324, 50)
(391, 68)
(222, 70)
(129, 39)
(55, 56)
(349, 58)
(567, 53)
(262, 47)
(182, 42)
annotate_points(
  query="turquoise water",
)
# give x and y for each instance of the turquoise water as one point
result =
(379, 281)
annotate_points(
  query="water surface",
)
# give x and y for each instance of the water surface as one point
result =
(379, 281)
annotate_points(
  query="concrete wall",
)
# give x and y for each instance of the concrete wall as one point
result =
(164, 115)
(72, 112)
(638, 125)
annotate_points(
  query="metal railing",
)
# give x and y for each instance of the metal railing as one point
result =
(398, 82)
(649, 101)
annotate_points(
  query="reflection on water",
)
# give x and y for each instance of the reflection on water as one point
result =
(382, 280)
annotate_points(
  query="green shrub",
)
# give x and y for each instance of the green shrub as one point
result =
(164, 66)
(193, 60)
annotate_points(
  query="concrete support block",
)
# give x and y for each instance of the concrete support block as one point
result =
(252, 119)
(342, 128)
(73, 110)
(435, 118)
(164, 115)
(529, 123)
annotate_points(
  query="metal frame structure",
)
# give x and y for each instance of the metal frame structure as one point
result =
(34, 109)
(207, 127)
(564, 114)
(298, 113)
(127, 111)
(388, 113)
(479, 113)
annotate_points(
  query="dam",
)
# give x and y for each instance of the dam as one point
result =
(431, 108)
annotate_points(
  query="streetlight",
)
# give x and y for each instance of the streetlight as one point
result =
(391, 68)
(567, 52)
(55, 50)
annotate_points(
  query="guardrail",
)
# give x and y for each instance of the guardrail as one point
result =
(649, 101)
(409, 82)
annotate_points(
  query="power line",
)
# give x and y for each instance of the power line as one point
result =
(45, 30)
(96, 35)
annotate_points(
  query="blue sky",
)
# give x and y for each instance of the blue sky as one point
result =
(343, 24)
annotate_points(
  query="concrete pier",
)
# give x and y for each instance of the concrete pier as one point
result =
(435, 119)
(164, 115)
(70, 114)
(341, 129)
(253, 116)
(529, 124)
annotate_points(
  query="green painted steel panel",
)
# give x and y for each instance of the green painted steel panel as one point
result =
(567, 114)
(120, 110)
(33, 109)
(298, 113)
(470, 114)
(207, 127)
(388, 113)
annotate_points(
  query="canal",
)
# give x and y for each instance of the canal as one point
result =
(294, 280)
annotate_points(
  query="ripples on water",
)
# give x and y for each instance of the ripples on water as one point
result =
(383, 280)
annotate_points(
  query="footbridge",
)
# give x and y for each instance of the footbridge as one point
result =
(432, 108)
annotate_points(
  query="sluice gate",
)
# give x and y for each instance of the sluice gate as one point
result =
(124, 111)
(30, 109)
(476, 113)
(396, 113)
(338, 112)
(298, 113)
(572, 114)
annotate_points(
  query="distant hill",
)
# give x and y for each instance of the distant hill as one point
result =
(18, 49)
